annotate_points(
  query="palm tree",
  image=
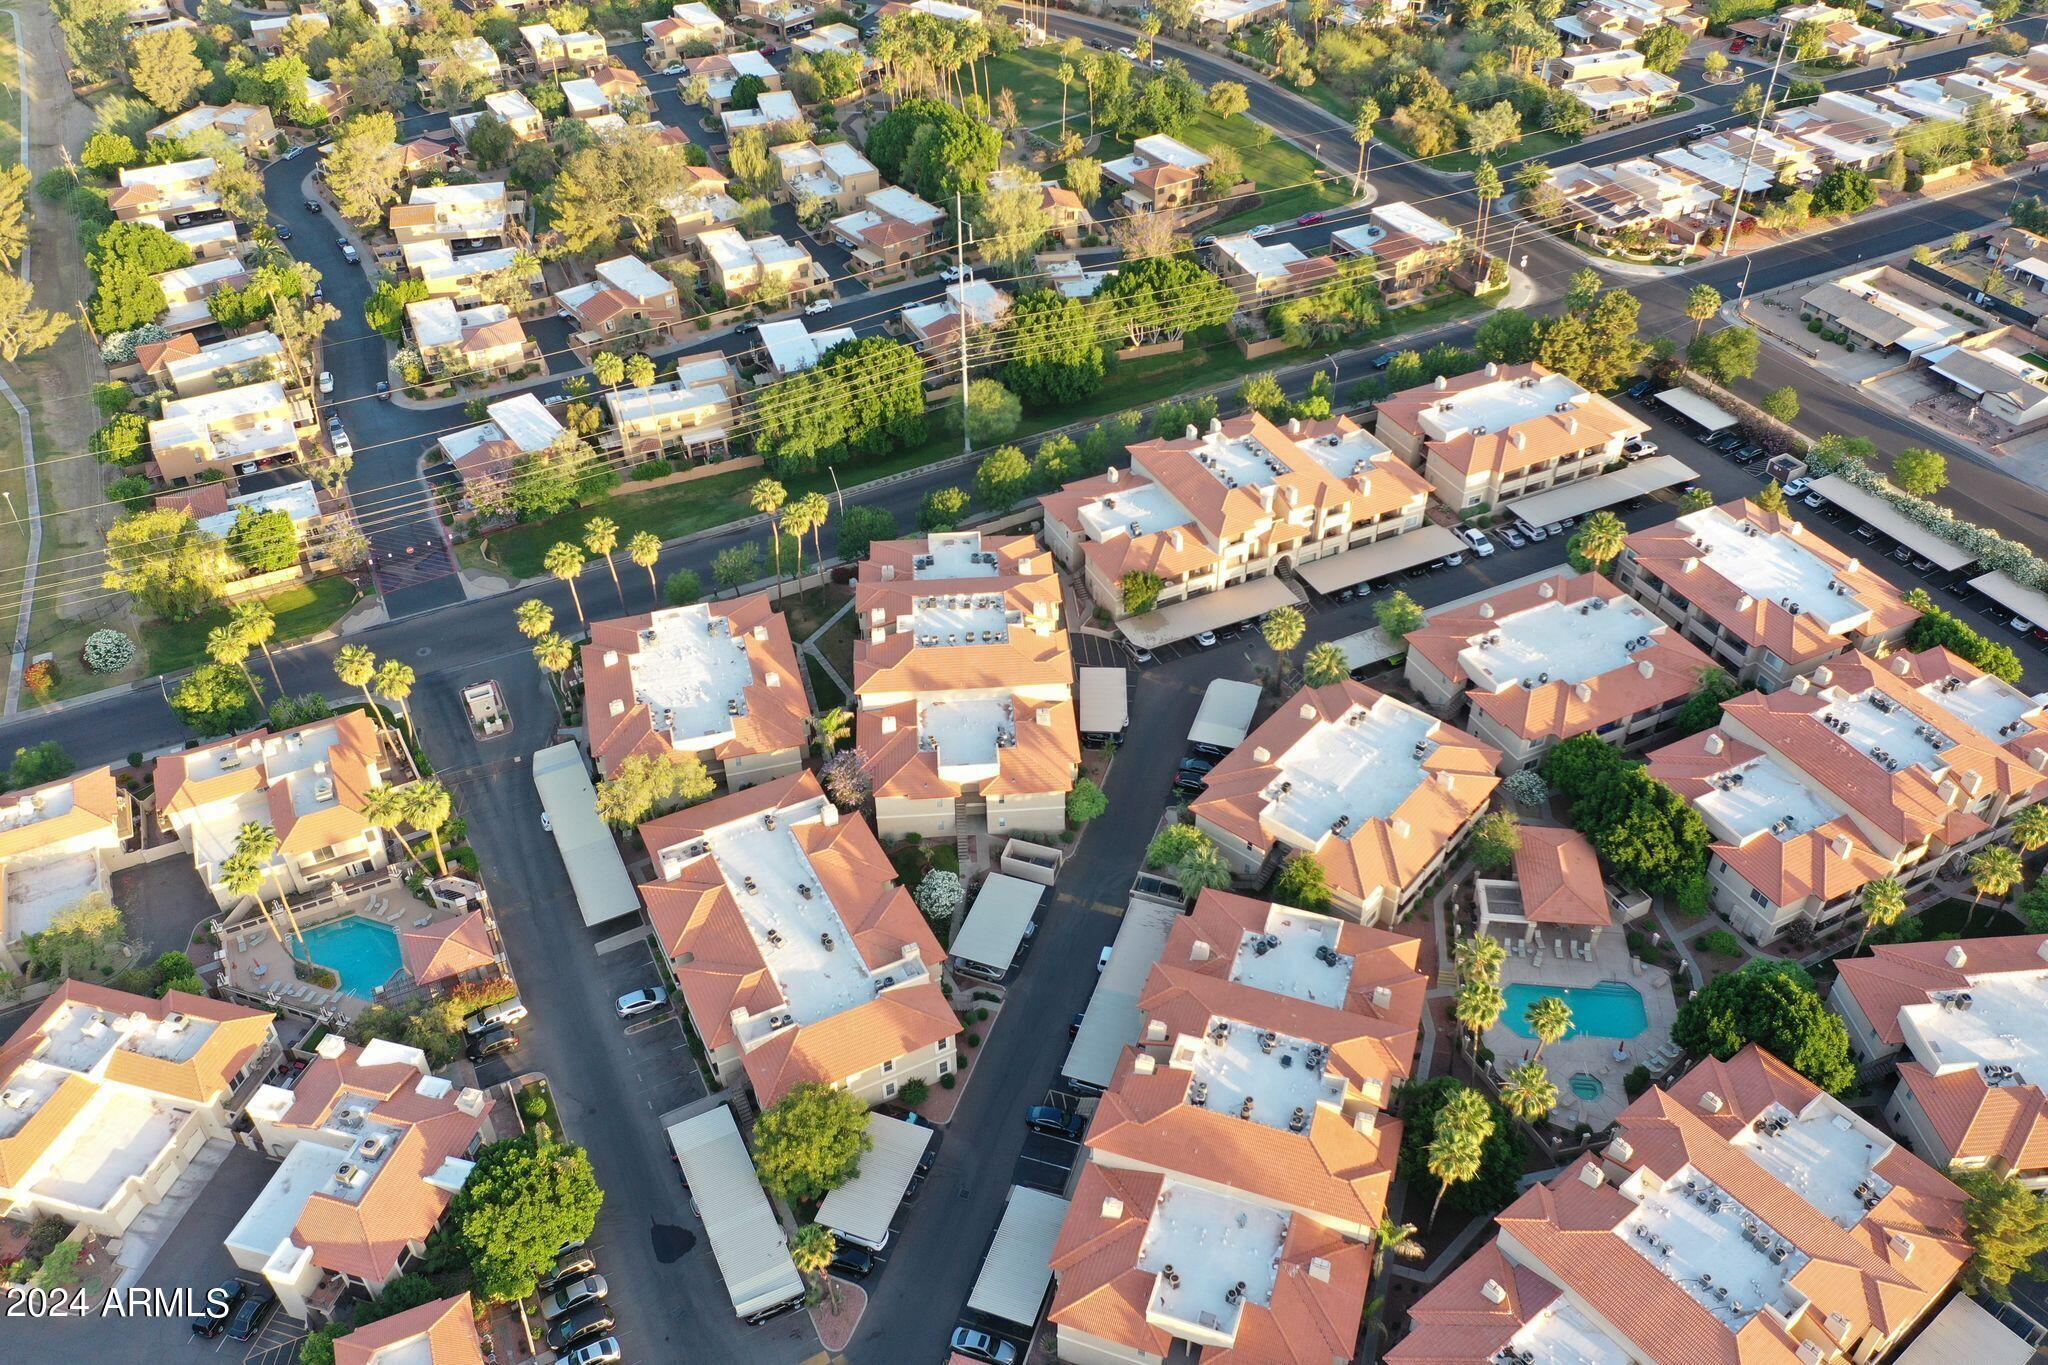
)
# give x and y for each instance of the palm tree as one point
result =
(254, 623)
(831, 727)
(1478, 1007)
(1393, 1239)
(1528, 1093)
(1598, 540)
(1361, 133)
(1884, 904)
(1993, 871)
(644, 549)
(384, 807)
(1549, 1019)
(565, 561)
(1325, 664)
(355, 665)
(1067, 76)
(534, 618)
(1479, 956)
(2030, 830)
(1455, 1150)
(258, 843)
(766, 496)
(811, 1251)
(554, 654)
(225, 646)
(427, 807)
(1282, 628)
(243, 876)
(394, 682)
(601, 537)
(813, 511)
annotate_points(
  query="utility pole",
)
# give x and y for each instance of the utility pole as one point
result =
(1763, 112)
(960, 314)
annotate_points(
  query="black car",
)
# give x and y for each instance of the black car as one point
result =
(218, 1307)
(255, 1309)
(1074, 1026)
(589, 1321)
(1044, 1118)
(854, 1262)
(284, 234)
(490, 1043)
(1197, 767)
(313, 206)
(775, 1310)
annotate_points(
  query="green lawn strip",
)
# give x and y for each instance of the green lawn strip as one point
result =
(1031, 75)
(823, 690)
(837, 645)
(10, 90)
(303, 610)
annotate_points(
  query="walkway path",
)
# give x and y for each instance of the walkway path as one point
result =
(811, 650)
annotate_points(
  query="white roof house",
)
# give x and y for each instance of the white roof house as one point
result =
(1155, 150)
(773, 107)
(792, 347)
(586, 97)
(300, 501)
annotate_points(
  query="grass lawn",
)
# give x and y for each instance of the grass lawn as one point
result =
(301, 611)
(823, 690)
(549, 1115)
(1031, 75)
(808, 610)
(1538, 145)
(10, 91)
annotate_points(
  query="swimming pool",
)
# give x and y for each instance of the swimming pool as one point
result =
(362, 953)
(1612, 1009)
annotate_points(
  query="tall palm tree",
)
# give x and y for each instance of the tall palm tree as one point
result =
(1393, 1239)
(644, 549)
(767, 496)
(225, 646)
(1479, 956)
(534, 618)
(1528, 1093)
(831, 728)
(1478, 1007)
(394, 682)
(1884, 904)
(1456, 1148)
(1549, 1019)
(1282, 628)
(1325, 664)
(427, 807)
(811, 1251)
(2030, 829)
(355, 665)
(254, 623)
(243, 876)
(554, 654)
(815, 509)
(565, 561)
(386, 807)
(1067, 76)
(1993, 871)
(1598, 540)
(601, 537)
(258, 843)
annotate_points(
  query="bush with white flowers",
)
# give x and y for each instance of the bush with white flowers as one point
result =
(108, 650)
(1527, 787)
(940, 893)
(1992, 551)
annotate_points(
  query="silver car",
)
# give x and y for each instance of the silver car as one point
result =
(646, 1000)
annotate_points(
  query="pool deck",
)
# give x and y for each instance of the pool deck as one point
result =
(1595, 1056)
(256, 966)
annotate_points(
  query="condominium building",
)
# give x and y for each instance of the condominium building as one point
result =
(316, 518)
(106, 1098)
(893, 228)
(1865, 768)
(1412, 251)
(723, 70)
(1160, 172)
(484, 340)
(451, 213)
(972, 306)
(1231, 506)
(466, 57)
(1567, 655)
(771, 108)
(1504, 432)
(798, 955)
(835, 174)
(789, 347)
(189, 369)
(1239, 1162)
(307, 784)
(59, 843)
(374, 1148)
(1966, 1027)
(1613, 84)
(629, 303)
(188, 289)
(720, 680)
(1762, 596)
(682, 419)
(439, 1333)
(1742, 1215)
(461, 278)
(228, 431)
(509, 107)
(743, 266)
(1377, 792)
(247, 126)
(686, 26)
(548, 50)
(1261, 270)
(964, 678)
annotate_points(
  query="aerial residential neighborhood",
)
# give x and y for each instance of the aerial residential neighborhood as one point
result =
(1271, 682)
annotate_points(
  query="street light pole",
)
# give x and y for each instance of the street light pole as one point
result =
(1749, 161)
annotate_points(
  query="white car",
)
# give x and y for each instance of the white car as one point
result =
(293, 153)
(1797, 487)
(1127, 53)
(1263, 230)
(547, 822)
(1102, 962)
(954, 272)
(1206, 640)
(1157, 63)
(646, 1000)
(1476, 538)
(603, 1351)
(327, 381)
(672, 69)
(818, 306)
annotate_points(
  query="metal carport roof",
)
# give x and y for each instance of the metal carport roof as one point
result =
(1018, 1266)
(861, 1209)
(995, 925)
(1390, 555)
(1104, 699)
(1111, 1022)
(1874, 512)
(1581, 496)
(1686, 403)
(604, 890)
(1210, 611)
(2014, 598)
(1965, 1331)
(746, 1240)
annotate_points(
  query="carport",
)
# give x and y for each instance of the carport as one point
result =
(1018, 1268)
(1881, 516)
(1104, 701)
(2014, 598)
(1210, 611)
(1111, 1022)
(1334, 573)
(1581, 496)
(746, 1240)
(987, 942)
(597, 873)
(861, 1210)
(1966, 1331)
(1703, 413)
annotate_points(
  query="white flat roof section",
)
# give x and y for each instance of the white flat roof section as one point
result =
(862, 1208)
(1776, 567)
(1210, 611)
(2026, 602)
(1341, 775)
(1112, 1021)
(995, 925)
(1887, 733)
(1018, 1268)
(1708, 414)
(604, 890)
(795, 926)
(1390, 554)
(1720, 1253)
(1763, 797)
(1242, 1069)
(692, 674)
(1558, 641)
(1212, 1243)
(1575, 499)
(1296, 956)
(1561, 1332)
(1141, 510)
(1999, 1025)
(1880, 515)
(1104, 699)
(1500, 405)
(1993, 705)
(746, 1240)
(1824, 1153)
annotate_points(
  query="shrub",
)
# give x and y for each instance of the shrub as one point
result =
(981, 1015)
(973, 1040)
(948, 1081)
(915, 1091)
(533, 1104)
(1720, 941)
(107, 650)
(654, 469)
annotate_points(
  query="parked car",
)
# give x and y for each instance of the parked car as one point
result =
(591, 1320)
(852, 1262)
(1702, 129)
(954, 272)
(643, 1001)
(816, 306)
(1452, 561)
(1102, 959)
(491, 1043)
(574, 1295)
(284, 234)
(1263, 230)
(1515, 539)
(348, 253)
(1309, 219)
(1531, 530)
(1740, 43)
(979, 1345)
(217, 1309)
(1556, 528)
(1141, 657)
(1384, 359)
(313, 206)
(1208, 239)
(1206, 640)
(603, 1351)
(573, 1268)
(775, 1310)
(1476, 538)
(383, 391)
(504, 1014)
(1641, 388)
(254, 1312)
(1641, 447)
(2021, 625)
(1055, 1122)
(1814, 500)
(1127, 53)
(1156, 63)
(327, 381)
(673, 69)
(292, 153)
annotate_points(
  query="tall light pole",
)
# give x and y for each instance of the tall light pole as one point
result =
(960, 314)
(1763, 112)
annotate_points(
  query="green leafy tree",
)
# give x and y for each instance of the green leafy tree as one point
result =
(1772, 1004)
(1086, 802)
(214, 699)
(1702, 710)
(735, 566)
(811, 1252)
(82, 938)
(1001, 478)
(1550, 1019)
(1663, 47)
(1140, 589)
(1725, 356)
(942, 509)
(991, 412)
(1301, 882)
(1844, 189)
(861, 527)
(2008, 1230)
(263, 542)
(1771, 497)
(1495, 840)
(1781, 403)
(165, 69)
(1923, 473)
(1507, 337)
(365, 169)
(35, 764)
(642, 784)
(1054, 350)
(810, 1142)
(682, 588)
(1397, 615)
(162, 559)
(1702, 304)
(527, 1198)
